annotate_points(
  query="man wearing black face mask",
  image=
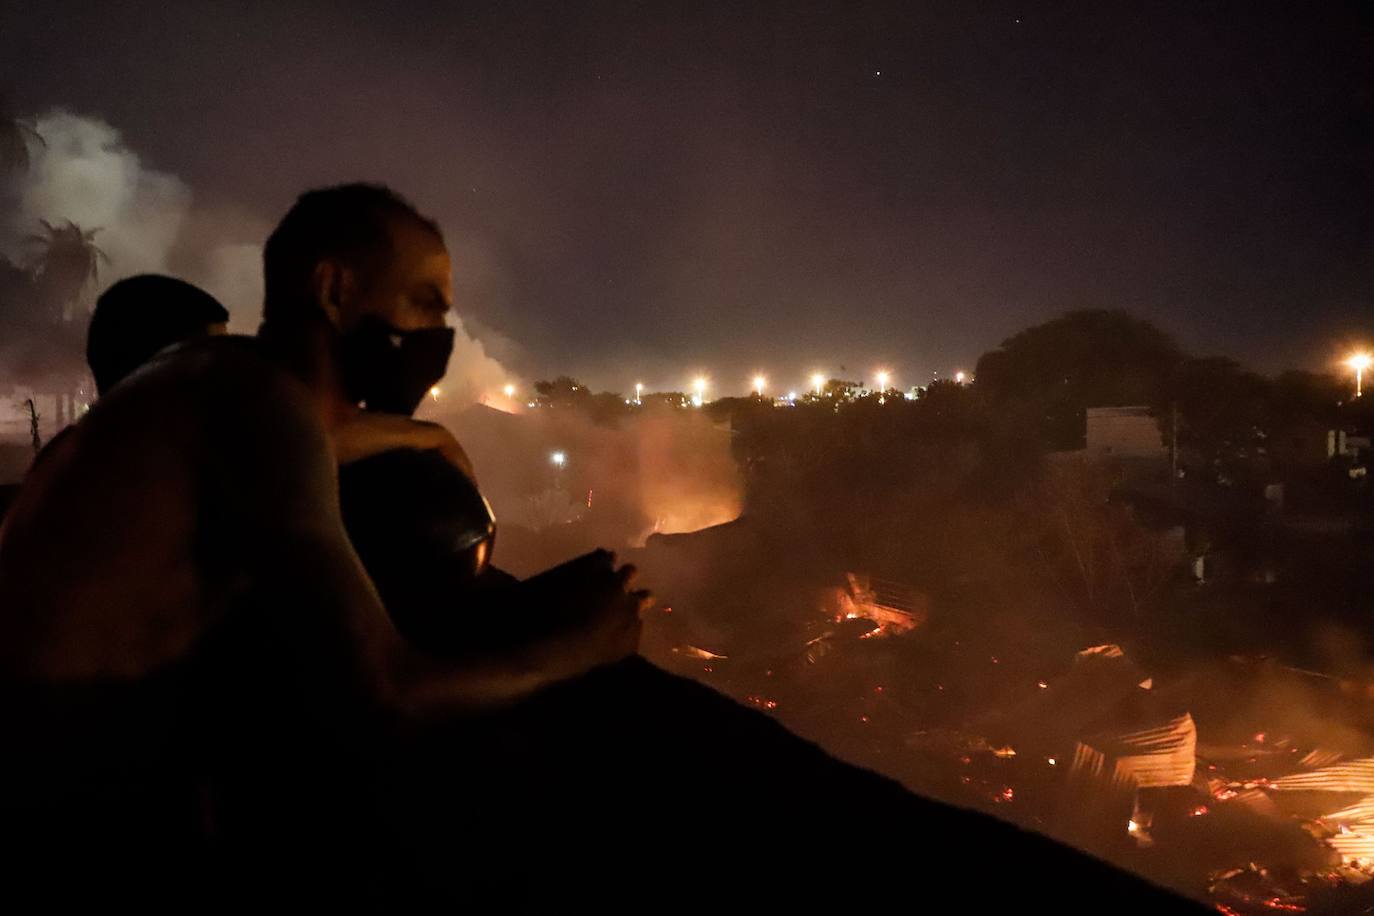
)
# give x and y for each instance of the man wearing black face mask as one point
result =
(183, 556)
(389, 305)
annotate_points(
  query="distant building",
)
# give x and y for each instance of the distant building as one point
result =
(1301, 444)
(1124, 432)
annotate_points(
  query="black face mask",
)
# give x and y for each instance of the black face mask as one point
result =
(389, 370)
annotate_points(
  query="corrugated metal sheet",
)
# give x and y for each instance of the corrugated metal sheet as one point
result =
(1165, 755)
(1352, 776)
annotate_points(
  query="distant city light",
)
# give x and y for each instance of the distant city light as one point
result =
(558, 459)
(1359, 362)
(759, 383)
(510, 391)
(818, 382)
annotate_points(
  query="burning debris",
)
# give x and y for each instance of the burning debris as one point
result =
(1099, 752)
(893, 607)
(695, 652)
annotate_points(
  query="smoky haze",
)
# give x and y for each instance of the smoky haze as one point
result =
(634, 194)
(147, 220)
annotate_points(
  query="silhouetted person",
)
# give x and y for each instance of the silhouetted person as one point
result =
(133, 320)
(139, 316)
(178, 566)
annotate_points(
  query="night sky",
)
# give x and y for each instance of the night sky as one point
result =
(641, 191)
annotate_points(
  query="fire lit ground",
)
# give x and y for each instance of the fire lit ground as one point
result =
(1187, 778)
(1004, 633)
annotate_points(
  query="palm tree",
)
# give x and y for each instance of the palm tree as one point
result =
(16, 135)
(67, 261)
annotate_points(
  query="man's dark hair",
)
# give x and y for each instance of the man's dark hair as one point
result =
(138, 316)
(350, 222)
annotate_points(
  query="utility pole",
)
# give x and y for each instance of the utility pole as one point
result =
(33, 426)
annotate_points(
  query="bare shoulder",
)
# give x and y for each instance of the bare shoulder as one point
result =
(129, 539)
(263, 459)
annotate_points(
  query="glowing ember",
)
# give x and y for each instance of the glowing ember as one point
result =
(697, 652)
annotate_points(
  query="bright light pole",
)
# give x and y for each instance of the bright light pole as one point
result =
(958, 378)
(510, 391)
(699, 386)
(759, 382)
(882, 378)
(559, 460)
(1359, 362)
(818, 382)
(639, 390)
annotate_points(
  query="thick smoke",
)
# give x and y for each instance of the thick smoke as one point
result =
(87, 175)
(147, 221)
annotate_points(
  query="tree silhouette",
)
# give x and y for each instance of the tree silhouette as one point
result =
(17, 135)
(67, 260)
(1091, 358)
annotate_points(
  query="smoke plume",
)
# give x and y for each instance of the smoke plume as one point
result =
(85, 172)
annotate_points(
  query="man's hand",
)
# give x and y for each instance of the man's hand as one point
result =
(589, 614)
(365, 434)
(607, 611)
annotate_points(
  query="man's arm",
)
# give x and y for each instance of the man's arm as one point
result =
(273, 487)
(365, 434)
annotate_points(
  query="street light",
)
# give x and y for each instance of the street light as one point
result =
(639, 390)
(959, 378)
(882, 378)
(759, 382)
(1359, 362)
(699, 386)
(434, 393)
(818, 382)
(558, 459)
(510, 391)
